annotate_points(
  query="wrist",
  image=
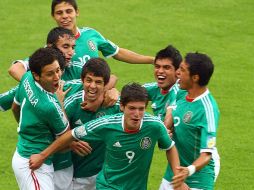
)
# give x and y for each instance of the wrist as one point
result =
(191, 169)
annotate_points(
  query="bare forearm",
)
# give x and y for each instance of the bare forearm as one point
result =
(17, 70)
(59, 144)
(202, 160)
(112, 82)
(128, 56)
(173, 159)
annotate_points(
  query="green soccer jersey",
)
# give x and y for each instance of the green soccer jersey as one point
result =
(74, 85)
(160, 101)
(195, 125)
(88, 44)
(91, 164)
(128, 155)
(41, 117)
(6, 99)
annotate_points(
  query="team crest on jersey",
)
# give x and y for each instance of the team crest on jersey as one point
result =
(100, 114)
(91, 45)
(187, 117)
(211, 141)
(80, 132)
(145, 142)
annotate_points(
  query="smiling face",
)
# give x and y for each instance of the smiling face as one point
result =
(93, 86)
(133, 114)
(164, 73)
(185, 80)
(65, 16)
(50, 77)
(66, 45)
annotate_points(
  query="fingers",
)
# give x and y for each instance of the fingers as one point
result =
(81, 148)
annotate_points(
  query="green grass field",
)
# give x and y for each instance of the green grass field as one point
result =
(223, 29)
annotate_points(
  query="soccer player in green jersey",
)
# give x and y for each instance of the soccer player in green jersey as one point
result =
(95, 76)
(195, 123)
(40, 118)
(129, 138)
(162, 93)
(88, 41)
(59, 38)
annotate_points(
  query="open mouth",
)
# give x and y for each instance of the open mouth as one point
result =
(161, 78)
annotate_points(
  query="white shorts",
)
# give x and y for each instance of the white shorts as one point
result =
(41, 178)
(165, 185)
(63, 178)
(216, 159)
(86, 183)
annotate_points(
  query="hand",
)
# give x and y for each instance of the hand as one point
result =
(92, 106)
(35, 161)
(81, 148)
(178, 179)
(60, 93)
(110, 97)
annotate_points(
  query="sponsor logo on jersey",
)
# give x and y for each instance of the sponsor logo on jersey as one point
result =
(211, 141)
(187, 117)
(145, 142)
(100, 114)
(117, 144)
(30, 94)
(80, 132)
(91, 45)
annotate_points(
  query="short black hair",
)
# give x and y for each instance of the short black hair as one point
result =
(133, 92)
(55, 33)
(99, 67)
(201, 65)
(171, 53)
(42, 57)
(54, 3)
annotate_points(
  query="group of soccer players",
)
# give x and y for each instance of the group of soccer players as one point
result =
(76, 132)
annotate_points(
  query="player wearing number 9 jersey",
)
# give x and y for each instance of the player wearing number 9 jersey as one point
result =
(129, 137)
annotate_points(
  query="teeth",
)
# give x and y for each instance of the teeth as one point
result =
(161, 77)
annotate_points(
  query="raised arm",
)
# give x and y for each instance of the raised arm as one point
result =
(132, 57)
(17, 70)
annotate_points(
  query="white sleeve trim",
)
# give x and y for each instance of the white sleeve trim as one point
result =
(206, 150)
(113, 54)
(172, 144)
(58, 134)
(24, 63)
(16, 102)
(2, 109)
(73, 134)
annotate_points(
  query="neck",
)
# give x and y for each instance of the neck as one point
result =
(93, 105)
(196, 91)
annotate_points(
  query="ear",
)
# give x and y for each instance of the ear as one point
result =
(195, 78)
(36, 76)
(77, 13)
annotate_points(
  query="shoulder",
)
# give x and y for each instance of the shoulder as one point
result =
(151, 85)
(148, 118)
(88, 30)
(73, 99)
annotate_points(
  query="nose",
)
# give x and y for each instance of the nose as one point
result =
(57, 75)
(178, 73)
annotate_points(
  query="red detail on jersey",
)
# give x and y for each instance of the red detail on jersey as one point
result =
(163, 92)
(189, 99)
(131, 131)
(77, 35)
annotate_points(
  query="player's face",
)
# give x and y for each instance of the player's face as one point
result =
(183, 74)
(133, 114)
(66, 45)
(93, 86)
(65, 16)
(164, 73)
(50, 77)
